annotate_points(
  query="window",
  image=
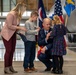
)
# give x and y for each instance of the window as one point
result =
(0, 5)
(8, 5)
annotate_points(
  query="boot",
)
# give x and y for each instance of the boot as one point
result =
(12, 70)
(7, 70)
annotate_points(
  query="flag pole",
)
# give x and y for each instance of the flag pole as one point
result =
(66, 20)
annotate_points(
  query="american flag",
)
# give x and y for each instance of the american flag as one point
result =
(58, 9)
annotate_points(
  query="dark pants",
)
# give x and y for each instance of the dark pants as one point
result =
(45, 58)
(58, 61)
(10, 48)
(30, 48)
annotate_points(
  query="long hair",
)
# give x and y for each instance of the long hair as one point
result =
(18, 9)
(57, 19)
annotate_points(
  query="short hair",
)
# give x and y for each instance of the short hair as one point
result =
(46, 19)
(34, 13)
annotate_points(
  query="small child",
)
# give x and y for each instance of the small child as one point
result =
(30, 45)
(59, 49)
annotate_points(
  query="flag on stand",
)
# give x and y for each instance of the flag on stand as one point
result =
(42, 15)
(69, 6)
(41, 12)
(58, 9)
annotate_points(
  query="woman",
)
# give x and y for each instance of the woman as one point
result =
(8, 34)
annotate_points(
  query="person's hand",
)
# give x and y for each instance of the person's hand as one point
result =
(48, 35)
(23, 28)
(38, 29)
(43, 50)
